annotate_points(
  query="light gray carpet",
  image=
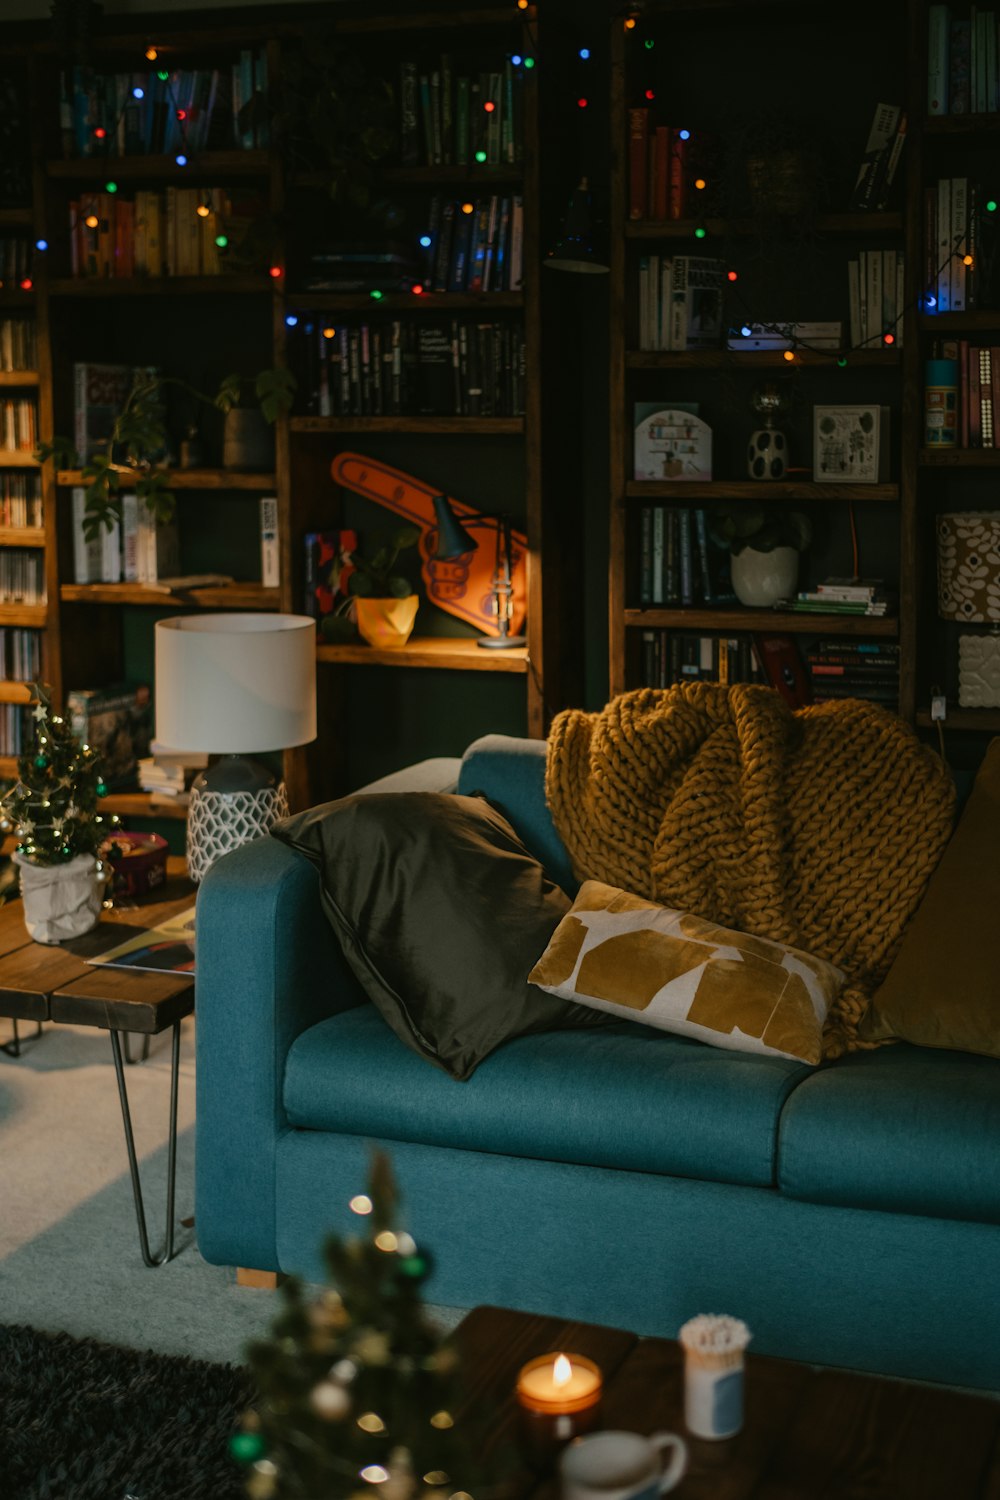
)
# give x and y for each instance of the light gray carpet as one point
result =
(69, 1248)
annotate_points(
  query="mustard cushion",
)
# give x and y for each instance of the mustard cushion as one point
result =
(645, 962)
(943, 988)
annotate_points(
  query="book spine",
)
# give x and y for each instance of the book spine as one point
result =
(701, 534)
(270, 572)
(638, 129)
(646, 556)
(938, 20)
(986, 395)
(892, 164)
(975, 410)
(959, 241)
(686, 556)
(130, 533)
(671, 580)
(447, 111)
(436, 130)
(517, 244)
(409, 138)
(659, 554)
(963, 393)
(959, 63)
(427, 118)
(854, 303)
(676, 199)
(462, 121)
(86, 555)
(944, 248)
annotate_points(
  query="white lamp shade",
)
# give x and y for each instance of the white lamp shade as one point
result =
(968, 559)
(235, 683)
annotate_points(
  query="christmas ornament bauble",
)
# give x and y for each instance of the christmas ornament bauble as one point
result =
(41, 761)
(416, 1267)
(247, 1447)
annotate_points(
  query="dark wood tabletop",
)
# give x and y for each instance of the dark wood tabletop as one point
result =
(809, 1434)
(54, 982)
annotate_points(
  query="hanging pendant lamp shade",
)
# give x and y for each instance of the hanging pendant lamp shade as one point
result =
(574, 250)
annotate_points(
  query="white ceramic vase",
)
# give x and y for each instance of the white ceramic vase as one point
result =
(762, 578)
(61, 901)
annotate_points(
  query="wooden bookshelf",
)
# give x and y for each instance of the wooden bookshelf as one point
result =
(959, 458)
(447, 653)
(427, 304)
(30, 615)
(717, 229)
(15, 692)
(213, 166)
(251, 596)
(191, 479)
(8, 767)
(15, 218)
(752, 489)
(234, 285)
(18, 379)
(734, 620)
(450, 426)
(754, 359)
(22, 536)
(16, 459)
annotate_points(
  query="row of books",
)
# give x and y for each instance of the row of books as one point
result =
(170, 233)
(658, 168)
(16, 729)
(853, 669)
(679, 563)
(144, 114)
(15, 140)
(19, 424)
(20, 499)
(977, 382)
(22, 576)
(139, 549)
(433, 367)
(880, 161)
(168, 774)
(446, 119)
(481, 251)
(670, 656)
(843, 596)
(20, 654)
(18, 344)
(961, 239)
(963, 67)
(876, 298)
(117, 721)
(15, 259)
(680, 302)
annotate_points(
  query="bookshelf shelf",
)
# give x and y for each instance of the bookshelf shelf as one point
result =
(429, 302)
(456, 654)
(758, 359)
(465, 426)
(15, 692)
(962, 125)
(219, 596)
(23, 614)
(433, 19)
(16, 218)
(160, 286)
(693, 617)
(8, 767)
(13, 458)
(965, 718)
(201, 164)
(683, 229)
(980, 320)
(18, 378)
(15, 296)
(461, 172)
(959, 458)
(22, 536)
(749, 489)
(136, 805)
(191, 479)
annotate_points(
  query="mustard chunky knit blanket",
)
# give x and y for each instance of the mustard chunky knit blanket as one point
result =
(818, 827)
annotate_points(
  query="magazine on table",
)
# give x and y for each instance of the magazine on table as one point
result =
(166, 948)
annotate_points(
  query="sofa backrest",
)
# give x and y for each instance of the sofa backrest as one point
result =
(510, 773)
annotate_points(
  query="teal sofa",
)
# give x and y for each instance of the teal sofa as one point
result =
(850, 1214)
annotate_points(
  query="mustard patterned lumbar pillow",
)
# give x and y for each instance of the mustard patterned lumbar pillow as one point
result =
(665, 968)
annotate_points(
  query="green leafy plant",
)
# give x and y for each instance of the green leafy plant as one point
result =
(372, 578)
(760, 527)
(133, 457)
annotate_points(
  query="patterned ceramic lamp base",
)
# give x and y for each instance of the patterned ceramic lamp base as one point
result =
(979, 671)
(221, 821)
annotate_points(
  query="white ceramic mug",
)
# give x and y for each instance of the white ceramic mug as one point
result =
(621, 1466)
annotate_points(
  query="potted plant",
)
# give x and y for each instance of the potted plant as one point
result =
(135, 456)
(764, 543)
(53, 809)
(380, 604)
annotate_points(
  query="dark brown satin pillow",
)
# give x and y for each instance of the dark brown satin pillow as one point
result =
(943, 988)
(441, 912)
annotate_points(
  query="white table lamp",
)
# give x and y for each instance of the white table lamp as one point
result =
(968, 558)
(233, 685)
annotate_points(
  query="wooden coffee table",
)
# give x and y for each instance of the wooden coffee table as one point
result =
(808, 1433)
(53, 982)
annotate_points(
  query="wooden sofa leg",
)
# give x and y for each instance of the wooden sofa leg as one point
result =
(265, 1281)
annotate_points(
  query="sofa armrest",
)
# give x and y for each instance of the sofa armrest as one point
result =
(510, 772)
(268, 967)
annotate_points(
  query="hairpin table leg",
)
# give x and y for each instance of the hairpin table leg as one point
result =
(168, 1248)
(13, 1047)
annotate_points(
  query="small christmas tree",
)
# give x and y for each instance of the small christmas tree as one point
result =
(53, 804)
(359, 1394)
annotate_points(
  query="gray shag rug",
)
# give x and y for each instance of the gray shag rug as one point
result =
(91, 1421)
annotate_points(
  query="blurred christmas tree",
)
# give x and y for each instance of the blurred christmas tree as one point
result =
(359, 1394)
(53, 804)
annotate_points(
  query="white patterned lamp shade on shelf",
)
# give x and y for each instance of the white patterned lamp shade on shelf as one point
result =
(234, 685)
(968, 559)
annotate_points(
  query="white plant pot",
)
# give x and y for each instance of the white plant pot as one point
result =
(61, 901)
(762, 578)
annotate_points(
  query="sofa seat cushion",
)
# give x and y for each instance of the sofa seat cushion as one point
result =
(624, 1096)
(903, 1128)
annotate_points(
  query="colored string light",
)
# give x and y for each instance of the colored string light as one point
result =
(376, 296)
(163, 75)
(788, 354)
(966, 260)
(700, 232)
(529, 62)
(181, 114)
(516, 59)
(329, 333)
(203, 210)
(151, 54)
(842, 362)
(700, 184)
(41, 245)
(746, 330)
(584, 54)
(138, 93)
(888, 338)
(274, 272)
(426, 241)
(480, 156)
(630, 23)
(522, 4)
(221, 241)
(111, 187)
(684, 135)
(181, 160)
(991, 206)
(468, 208)
(929, 301)
(291, 321)
(91, 221)
(649, 45)
(650, 94)
(582, 103)
(27, 284)
(731, 276)
(417, 289)
(100, 133)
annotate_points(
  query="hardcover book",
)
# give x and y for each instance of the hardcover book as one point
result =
(115, 721)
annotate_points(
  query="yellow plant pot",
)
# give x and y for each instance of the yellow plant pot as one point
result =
(386, 623)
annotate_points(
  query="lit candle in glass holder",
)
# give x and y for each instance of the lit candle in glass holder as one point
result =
(559, 1398)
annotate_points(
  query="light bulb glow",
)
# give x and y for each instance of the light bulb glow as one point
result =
(522, 4)
(91, 221)
(480, 156)
(930, 301)
(581, 103)
(41, 244)
(516, 59)
(163, 75)
(700, 232)
(746, 330)
(376, 296)
(203, 210)
(489, 106)
(222, 241)
(329, 333)
(888, 338)
(731, 276)
(788, 354)
(650, 94)
(181, 160)
(417, 289)
(291, 321)
(138, 93)
(468, 208)
(425, 241)
(966, 260)
(684, 135)
(182, 114)
(111, 187)
(699, 183)
(584, 54)
(630, 24)
(26, 284)
(529, 62)
(842, 362)
(274, 272)
(649, 44)
(100, 133)
(991, 205)
(151, 54)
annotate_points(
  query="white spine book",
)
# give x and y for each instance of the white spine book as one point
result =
(270, 572)
(111, 553)
(944, 246)
(938, 24)
(86, 555)
(666, 292)
(130, 538)
(959, 241)
(854, 303)
(874, 331)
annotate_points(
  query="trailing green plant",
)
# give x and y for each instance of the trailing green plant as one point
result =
(759, 527)
(133, 458)
(371, 578)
